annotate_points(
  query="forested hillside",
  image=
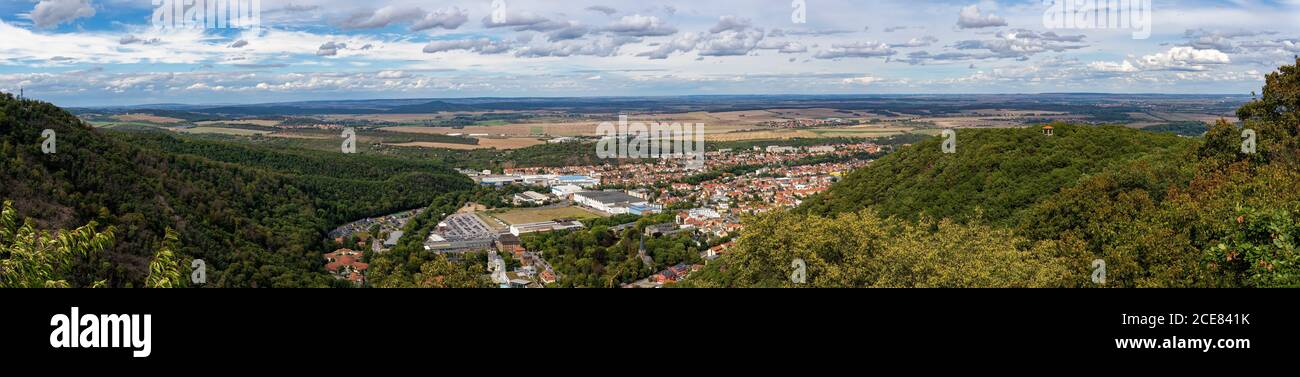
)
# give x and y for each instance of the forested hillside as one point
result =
(995, 172)
(1016, 208)
(256, 216)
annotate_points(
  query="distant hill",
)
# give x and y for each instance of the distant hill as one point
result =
(257, 216)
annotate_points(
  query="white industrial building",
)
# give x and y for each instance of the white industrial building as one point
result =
(611, 202)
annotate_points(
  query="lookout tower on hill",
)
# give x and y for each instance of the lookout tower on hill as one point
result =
(1047, 130)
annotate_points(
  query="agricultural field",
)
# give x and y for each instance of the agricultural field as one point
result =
(255, 122)
(483, 143)
(223, 131)
(147, 118)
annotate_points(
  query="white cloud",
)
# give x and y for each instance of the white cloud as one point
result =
(482, 46)
(51, 13)
(641, 26)
(864, 80)
(857, 50)
(449, 19)
(970, 18)
(1183, 59)
(330, 48)
(1109, 67)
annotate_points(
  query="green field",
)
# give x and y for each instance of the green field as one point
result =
(536, 215)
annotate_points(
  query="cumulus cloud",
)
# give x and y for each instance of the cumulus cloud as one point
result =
(603, 46)
(970, 18)
(572, 30)
(482, 46)
(523, 21)
(641, 26)
(420, 20)
(864, 80)
(916, 42)
(783, 47)
(132, 39)
(857, 50)
(732, 23)
(682, 43)
(1183, 59)
(731, 42)
(450, 19)
(330, 48)
(1020, 44)
(1110, 67)
(379, 18)
(51, 13)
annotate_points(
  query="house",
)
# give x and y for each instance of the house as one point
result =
(667, 276)
(346, 264)
(660, 230)
(510, 243)
(640, 193)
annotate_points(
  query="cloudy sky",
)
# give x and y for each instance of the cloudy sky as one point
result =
(112, 52)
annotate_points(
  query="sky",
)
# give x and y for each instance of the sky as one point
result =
(123, 52)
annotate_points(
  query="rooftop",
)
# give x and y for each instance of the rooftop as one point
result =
(610, 197)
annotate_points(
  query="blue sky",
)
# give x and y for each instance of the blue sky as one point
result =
(110, 52)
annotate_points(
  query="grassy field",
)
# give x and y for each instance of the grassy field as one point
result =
(223, 131)
(535, 215)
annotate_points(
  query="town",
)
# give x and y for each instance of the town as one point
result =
(708, 204)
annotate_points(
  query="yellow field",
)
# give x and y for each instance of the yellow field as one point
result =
(147, 118)
(222, 131)
(502, 144)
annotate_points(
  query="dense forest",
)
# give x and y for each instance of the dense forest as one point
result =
(1017, 208)
(600, 257)
(257, 216)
